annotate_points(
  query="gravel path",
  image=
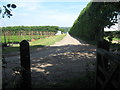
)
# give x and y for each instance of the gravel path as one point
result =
(68, 40)
(52, 64)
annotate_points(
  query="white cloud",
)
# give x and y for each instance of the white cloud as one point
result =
(27, 5)
(48, 18)
(112, 28)
(59, 19)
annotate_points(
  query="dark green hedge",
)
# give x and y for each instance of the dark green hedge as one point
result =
(94, 18)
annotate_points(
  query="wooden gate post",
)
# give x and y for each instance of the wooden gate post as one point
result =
(104, 45)
(25, 64)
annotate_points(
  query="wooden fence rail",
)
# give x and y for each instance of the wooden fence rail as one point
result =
(109, 55)
(108, 69)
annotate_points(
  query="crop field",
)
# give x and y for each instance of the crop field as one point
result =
(8, 37)
(15, 34)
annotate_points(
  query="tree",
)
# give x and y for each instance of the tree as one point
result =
(7, 10)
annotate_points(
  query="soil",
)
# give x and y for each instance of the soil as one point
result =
(66, 59)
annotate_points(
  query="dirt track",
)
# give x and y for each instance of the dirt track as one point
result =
(66, 59)
(68, 40)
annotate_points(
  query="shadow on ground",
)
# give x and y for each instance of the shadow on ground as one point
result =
(60, 66)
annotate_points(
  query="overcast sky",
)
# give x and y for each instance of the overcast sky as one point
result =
(61, 13)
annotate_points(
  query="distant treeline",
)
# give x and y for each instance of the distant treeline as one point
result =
(93, 19)
(66, 29)
(32, 28)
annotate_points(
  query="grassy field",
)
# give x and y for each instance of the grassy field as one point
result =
(35, 44)
(17, 38)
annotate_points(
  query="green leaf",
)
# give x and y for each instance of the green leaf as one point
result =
(8, 5)
(13, 6)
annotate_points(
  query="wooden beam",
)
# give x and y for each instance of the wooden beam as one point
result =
(109, 55)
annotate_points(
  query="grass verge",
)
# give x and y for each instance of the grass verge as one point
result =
(47, 41)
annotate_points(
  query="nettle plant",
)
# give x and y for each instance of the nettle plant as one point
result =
(6, 10)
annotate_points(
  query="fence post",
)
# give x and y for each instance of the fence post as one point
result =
(25, 64)
(98, 57)
(104, 45)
